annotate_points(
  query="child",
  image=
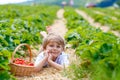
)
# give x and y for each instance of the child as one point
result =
(52, 53)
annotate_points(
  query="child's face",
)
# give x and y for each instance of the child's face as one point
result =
(54, 48)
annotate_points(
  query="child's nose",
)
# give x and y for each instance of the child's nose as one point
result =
(54, 48)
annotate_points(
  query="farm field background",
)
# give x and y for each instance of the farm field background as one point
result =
(97, 49)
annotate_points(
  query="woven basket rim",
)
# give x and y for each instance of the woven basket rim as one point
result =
(21, 65)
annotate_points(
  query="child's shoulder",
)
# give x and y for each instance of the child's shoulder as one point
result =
(64, 54)
(41, 54)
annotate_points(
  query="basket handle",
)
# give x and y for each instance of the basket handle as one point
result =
(28, 47)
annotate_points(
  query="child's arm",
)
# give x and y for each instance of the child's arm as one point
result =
(54, 64)
(40, 61)
(40, 65)
(64, 62)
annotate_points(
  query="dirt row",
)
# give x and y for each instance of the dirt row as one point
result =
(96, 24)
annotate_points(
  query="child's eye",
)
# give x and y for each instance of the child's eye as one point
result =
(51, 45)
(58, 46)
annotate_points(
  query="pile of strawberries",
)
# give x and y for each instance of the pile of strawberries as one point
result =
(22, 62)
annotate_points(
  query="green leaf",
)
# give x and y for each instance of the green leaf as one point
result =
(6, 53)
(105, 48)
(16, 41)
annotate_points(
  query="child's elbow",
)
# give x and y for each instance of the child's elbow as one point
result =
(37, 69)
(62, 67)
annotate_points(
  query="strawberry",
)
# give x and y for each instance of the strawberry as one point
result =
(22, 62)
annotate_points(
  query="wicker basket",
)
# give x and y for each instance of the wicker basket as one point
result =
(21, 70)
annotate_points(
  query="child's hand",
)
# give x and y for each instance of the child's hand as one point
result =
(50, 57)
(46, 52)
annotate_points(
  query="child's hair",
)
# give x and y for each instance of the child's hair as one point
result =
(52, 37)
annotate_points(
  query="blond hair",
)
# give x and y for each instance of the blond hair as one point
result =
(52, 37)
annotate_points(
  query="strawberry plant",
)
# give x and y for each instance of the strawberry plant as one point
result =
(98, 51)
(21, 24)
